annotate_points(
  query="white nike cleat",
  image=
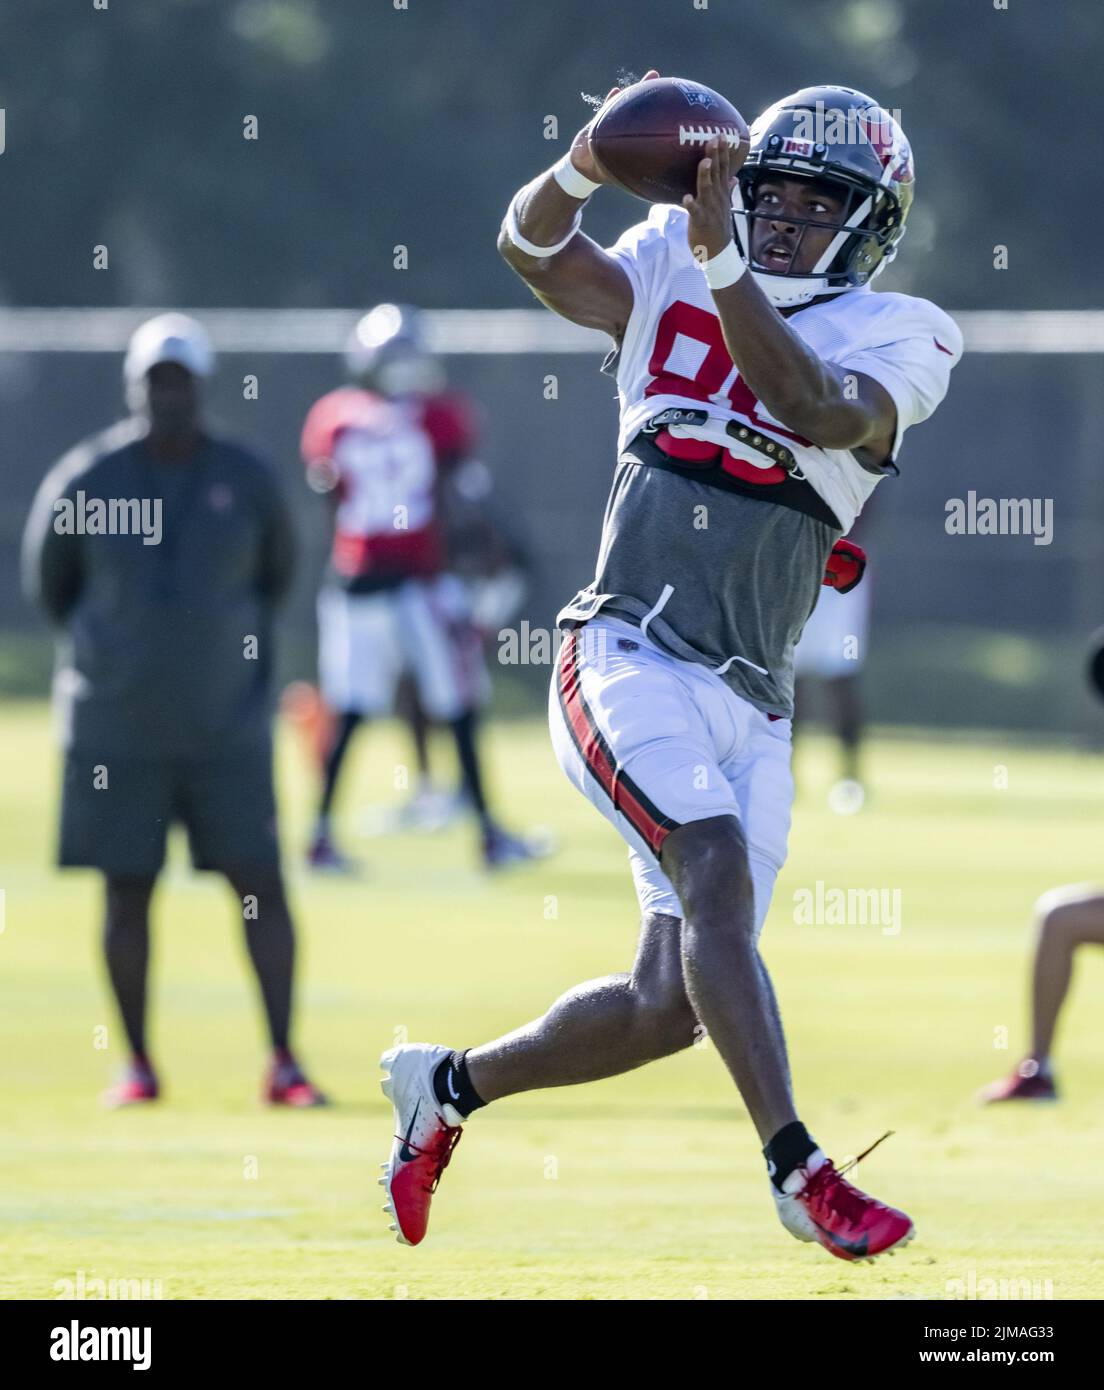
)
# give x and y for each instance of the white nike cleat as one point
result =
(426, 1132)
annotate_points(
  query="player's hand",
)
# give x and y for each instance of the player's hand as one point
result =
(845, 566)
(322, 475)
(710, 228)
(581, 156)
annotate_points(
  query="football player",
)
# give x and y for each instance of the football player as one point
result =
(1066, 918)
(831, 655)
(379, 448)
(764, 392)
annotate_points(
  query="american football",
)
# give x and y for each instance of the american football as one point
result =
(651, 138)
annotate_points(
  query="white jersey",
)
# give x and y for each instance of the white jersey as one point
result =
(673, 354)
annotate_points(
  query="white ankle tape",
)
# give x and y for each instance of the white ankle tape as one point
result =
(571, 181)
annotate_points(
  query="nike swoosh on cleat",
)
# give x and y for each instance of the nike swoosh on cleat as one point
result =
(407, 1154)
(853, 1247)
(451, 1090)
(941, 348)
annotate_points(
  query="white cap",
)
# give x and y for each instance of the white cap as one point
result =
(169, 338)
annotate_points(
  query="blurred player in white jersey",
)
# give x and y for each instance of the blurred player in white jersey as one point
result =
(764, 390)
(379, 448)
(828, 662)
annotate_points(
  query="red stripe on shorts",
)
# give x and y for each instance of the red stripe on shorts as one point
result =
(645, 818)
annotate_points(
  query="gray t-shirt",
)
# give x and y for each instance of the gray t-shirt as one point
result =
(718, 578)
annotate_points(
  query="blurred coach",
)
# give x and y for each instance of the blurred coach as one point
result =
(161, 551)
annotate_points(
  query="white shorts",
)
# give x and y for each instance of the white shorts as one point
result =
(834, 641)
(367, 641)
(654, 742)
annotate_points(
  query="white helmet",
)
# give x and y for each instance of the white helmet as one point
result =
(386, 352)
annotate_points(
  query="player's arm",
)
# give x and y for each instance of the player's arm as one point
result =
(830, 406)
(53, 570)
(276, 552)
(575, 278)
(316, 448)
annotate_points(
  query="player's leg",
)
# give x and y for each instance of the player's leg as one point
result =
(429, 615)
(724, 876)
(602, 1027)
(114, 818)
(598, 1029)
(228, 807)
(844, 695)
(344, 727)
(358, 666)
(270, 941)
(1065, 919)
(830, 655)
(408, 709)
(726, 980)
(126, 948)
(433, 630)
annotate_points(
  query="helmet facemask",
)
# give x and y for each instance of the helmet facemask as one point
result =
(871, 165)
(845, 263)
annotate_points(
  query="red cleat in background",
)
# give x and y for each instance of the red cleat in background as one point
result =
(286, 1084)
(136, 1085)
(1027, 1082)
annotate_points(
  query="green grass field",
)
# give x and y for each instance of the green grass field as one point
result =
(647, 1186)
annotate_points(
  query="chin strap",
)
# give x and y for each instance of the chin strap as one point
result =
(786, 291)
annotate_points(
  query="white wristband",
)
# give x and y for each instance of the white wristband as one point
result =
(724, 269)
(573, 183)
(529, 247)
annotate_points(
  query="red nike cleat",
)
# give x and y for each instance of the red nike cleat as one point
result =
(425, 1135)
(286, 1084)
(136, 1084)
(1027, 1082)
(819, 1204)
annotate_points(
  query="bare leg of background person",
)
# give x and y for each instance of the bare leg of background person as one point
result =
(270, 939)
(845, 707)
(344, 726)
(1066, 920)
(598, 1029)
(126, 952)
(409, 709)
(471, 774)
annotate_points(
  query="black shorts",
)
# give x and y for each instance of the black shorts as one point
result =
(226, 804)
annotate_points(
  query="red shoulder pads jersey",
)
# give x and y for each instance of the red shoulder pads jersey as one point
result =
(386, 465)
(452, 422)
